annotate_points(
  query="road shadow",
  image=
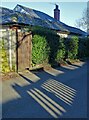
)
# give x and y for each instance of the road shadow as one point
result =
(25, 78)
(49, 97)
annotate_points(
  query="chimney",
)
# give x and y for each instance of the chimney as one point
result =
(57, 13)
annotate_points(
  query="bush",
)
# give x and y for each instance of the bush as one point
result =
(61, 50)
(87, 47)
(49, 47)
(71, 45)
(83, 48)
(52, 42)
(39, 50)
(4, 61)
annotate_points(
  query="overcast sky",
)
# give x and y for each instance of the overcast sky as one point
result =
(69, 11)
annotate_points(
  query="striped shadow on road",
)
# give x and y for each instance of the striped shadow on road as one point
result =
(53, 108)
(63, 92)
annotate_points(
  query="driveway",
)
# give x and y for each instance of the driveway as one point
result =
(53, 93)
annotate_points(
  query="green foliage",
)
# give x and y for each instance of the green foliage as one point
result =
(61, 50)
(49, 47)
(39, 49)
(41, 31)
(87, 47)
(71, 45)
(52, 42)
(83, 48)
(3, 54)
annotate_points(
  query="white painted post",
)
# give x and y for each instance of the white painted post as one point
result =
(10, 53)
(14, 47)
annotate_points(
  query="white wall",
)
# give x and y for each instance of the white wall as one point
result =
(63, 35)
(9, 37)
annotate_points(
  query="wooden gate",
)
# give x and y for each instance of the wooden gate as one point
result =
(24, 51)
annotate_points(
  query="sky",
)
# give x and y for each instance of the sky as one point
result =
(69, 11)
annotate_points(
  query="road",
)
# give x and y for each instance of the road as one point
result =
(53, 93)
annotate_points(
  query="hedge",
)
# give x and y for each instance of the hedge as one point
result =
(49, 47)
(39, 50)
(71, 45)
(87, 47)
(61, 50)
(52, 47)
(83, 50)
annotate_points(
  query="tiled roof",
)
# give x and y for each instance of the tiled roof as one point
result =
(27, 16)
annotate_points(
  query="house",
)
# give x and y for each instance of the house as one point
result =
(23, 15)
(18, 41)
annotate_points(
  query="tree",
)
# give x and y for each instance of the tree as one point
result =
(84, 21)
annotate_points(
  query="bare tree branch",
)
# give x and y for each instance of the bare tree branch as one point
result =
(84, 21)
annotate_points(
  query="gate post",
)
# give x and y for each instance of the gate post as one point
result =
(17, 50)
(15, 28)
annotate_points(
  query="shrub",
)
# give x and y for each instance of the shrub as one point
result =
(83, 48)
(52, 41)
(87, 47)
(71, 47)
(4, 61)
(55, 49)
(61, 50)
(39, 49)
